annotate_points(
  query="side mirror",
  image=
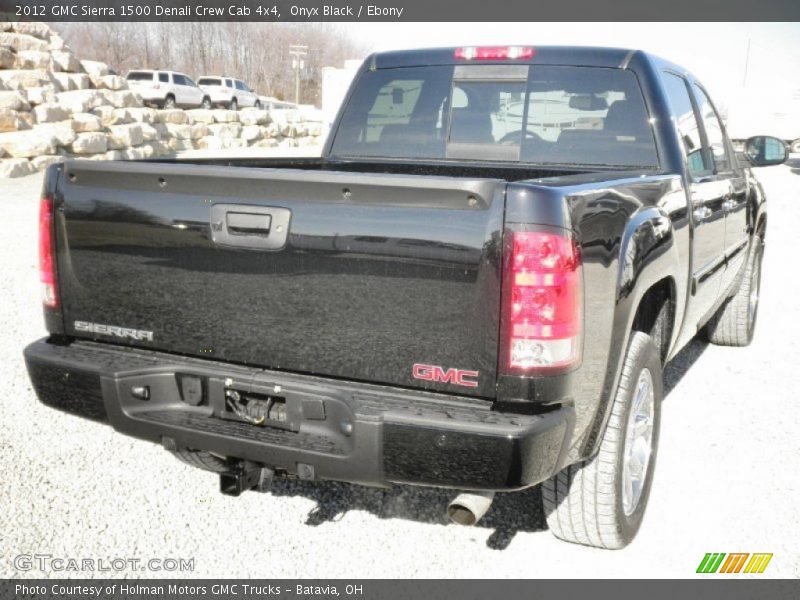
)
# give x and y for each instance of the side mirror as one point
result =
(765, 150)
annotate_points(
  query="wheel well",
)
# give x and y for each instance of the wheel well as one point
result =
(655, 314)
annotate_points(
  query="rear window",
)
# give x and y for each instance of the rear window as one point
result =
(209, 81)
(536, 114)
(140, 76)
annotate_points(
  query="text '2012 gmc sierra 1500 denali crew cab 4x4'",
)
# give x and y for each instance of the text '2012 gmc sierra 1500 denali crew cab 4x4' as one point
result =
(476, 286)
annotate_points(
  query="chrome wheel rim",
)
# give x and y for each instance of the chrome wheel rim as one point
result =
(638, 442)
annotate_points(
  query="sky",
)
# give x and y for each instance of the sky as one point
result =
(714, 52)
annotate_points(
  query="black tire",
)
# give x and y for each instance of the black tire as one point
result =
(735, 322)
(206, 103)
(234, 104)
(257, 105)
(584, 503)
(169, 101)
(202, 460)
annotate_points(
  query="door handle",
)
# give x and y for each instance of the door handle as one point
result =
(729, 204)
(240, 223)
(246, 226)
(701, 213)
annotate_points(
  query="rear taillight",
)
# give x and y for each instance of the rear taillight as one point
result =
(494, 53)
(47, 273)
(542, 312)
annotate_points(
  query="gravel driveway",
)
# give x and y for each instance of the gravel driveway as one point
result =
(727, 478)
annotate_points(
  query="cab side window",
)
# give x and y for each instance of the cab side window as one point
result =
(687, 125)
(714, 131)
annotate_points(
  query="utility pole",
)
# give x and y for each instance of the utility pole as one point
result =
(298, 53)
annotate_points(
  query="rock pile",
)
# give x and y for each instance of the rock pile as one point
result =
(53, 105)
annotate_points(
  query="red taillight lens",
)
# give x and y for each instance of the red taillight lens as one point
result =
(543, 302)
(495, 53)
(47, 273)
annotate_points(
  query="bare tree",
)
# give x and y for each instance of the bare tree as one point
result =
(255, 52)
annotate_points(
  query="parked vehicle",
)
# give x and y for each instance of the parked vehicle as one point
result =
(167, 89)
(458, 293)
(229, 92)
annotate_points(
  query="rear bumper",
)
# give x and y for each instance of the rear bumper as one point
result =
(345, 431)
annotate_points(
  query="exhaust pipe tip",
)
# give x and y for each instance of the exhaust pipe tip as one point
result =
(469, 508)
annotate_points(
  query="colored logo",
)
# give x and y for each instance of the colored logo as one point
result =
(737, 562)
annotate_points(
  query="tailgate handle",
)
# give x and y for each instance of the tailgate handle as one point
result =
(248, 223)
(247, 226)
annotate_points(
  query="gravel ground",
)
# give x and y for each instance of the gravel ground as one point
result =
(727, 477)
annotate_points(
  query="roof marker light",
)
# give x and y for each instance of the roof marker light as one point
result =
(494, 53)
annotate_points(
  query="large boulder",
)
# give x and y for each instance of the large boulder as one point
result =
(86, 122)
(95, 68)
(201, 115)
(27, 144)
(252, 116)
(172, 115)
(110, 82)
(50, 112)
(63, 132)
(15, 167)
(123, 98)
(21, 42)
(33, 59)
(72, 81)
(181, 131)
(225, 116)
(34, 28)
(64, 60)
(7, 57)
(41, 95)
(251, 133)
(90, 143)
(80, 100)
(42, 162)
(10, 121)
(149, 133)
(13, 100)
(142, 114)
(225, 130)
(124, 136)
(21, 79)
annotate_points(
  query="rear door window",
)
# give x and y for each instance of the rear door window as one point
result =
(688, 127)
(163, 77)
(714, 131)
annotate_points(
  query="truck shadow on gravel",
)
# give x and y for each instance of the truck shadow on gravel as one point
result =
(511, 513)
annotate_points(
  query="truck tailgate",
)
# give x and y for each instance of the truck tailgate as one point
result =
(358, 276)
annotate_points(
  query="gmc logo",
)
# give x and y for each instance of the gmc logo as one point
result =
(439, 375)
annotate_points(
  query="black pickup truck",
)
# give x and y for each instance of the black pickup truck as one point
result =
(476, 286)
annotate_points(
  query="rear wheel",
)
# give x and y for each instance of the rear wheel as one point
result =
(735, 321)
(257, 105)
(601, 502)
(234, 105)
(169, 101)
